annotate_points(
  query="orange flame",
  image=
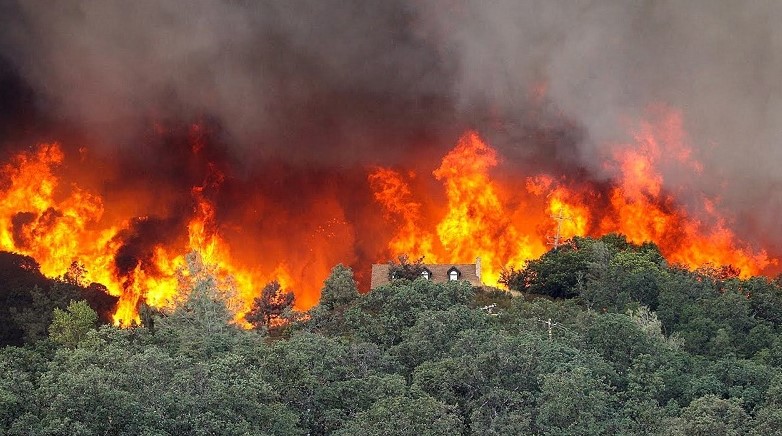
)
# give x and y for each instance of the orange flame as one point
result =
(391, 190)
(505, 225)
(504, 221)
(644, 213)
(476, 222)
(57, 231)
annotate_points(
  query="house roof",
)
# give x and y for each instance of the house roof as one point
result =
(439, 272)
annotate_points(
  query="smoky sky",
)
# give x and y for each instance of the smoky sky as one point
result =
(340, 83)
(341, 80)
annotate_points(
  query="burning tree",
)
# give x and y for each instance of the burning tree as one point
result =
(268, 309)
(404, 269)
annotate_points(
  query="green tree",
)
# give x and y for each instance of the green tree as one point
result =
(339, 289)
(618, 339)
(338, 293)
(645, 387)
(765, 298)
(624, 279)
(204, 308)
(19, 373)
(201, 322)
(71, 325)
(382, 315)
(768, 418)
(558, 273)
(434, 333)
(403, 415)
(711, 416)
(328, 380)
(575, 402)
(502, 412)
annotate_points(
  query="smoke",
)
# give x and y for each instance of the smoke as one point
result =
(605, 62)
(345, 84)
(342, 80)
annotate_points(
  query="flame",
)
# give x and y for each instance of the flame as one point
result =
(56, 230)
(391, 190)
(574, 217)
(478, 208)
(476, 222)
(33, 221)
(643, 212)
(505, 225)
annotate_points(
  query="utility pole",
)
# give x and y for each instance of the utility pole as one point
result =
(549, 324)
(557, 239)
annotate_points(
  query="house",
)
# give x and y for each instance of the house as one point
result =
(439, 273)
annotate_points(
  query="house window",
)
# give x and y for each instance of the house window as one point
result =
(453, 275)
(425, 274)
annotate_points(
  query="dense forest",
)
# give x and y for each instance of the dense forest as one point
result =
(602, 337)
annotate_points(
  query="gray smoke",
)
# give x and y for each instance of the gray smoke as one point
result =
(329, 78)
(606, 62)
(355, 81)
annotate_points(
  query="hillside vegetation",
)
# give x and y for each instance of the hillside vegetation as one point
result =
(605, 339)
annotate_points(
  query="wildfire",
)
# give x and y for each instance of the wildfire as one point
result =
(504, 221)
(392, 191)
(32, 221)
(36, 220)
(480, 219)
(645, 213)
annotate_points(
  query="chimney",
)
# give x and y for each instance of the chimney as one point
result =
(478, 268)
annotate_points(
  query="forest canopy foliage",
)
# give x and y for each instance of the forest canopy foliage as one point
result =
(607, 338)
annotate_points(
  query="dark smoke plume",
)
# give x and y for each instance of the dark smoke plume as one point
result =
(338, 85)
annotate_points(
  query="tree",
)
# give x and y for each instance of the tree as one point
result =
(641, 399)
(147, 315)
(204, 308)
(618, 339)
(268, 309)
(76, 274)
(405, 269)
(338, 293)
(574, 401)
(558, 273)
(34, 319)
(416, 357)
(711, 415)
(339, 289)
(71, 325)
(403, 415)
(502, 412)
(117, 383)
(382, 316)
(434, 333)
(202, 320)
(625, 278)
